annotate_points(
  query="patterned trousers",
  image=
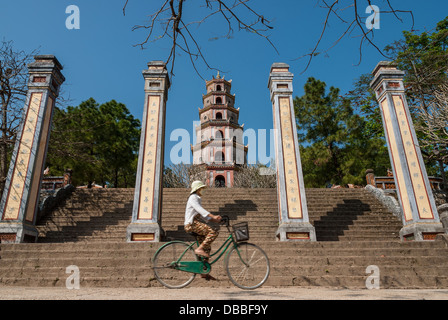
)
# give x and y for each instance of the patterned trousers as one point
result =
(205, 234)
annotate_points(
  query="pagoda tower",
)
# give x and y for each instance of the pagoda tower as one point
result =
(219, 148)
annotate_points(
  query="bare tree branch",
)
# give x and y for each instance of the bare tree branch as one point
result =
(182, 175)
(254, 176)
(169, 21)
(13, 90)
(355, 22)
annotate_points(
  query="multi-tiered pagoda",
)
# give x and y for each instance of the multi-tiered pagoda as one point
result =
(219, 148)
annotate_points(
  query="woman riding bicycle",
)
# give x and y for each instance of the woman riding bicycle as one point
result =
(176, 263)
(192, 224)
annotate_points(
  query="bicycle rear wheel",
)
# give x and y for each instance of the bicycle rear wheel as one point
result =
(164, 265)
(247, 266)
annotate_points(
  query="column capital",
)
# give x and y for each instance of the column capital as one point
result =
(280, 79)
(45, 61)
(387, 78)
(45, 74)
(156, 77)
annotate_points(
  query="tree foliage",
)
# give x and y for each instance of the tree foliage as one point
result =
(338, 144)
(424, 58)
(364, 100)
(98, 142)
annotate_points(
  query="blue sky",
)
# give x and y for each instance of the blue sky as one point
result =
(101, 61)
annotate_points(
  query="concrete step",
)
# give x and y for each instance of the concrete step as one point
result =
(286, 253)
(99, 213)
(401, 265)
(353, 231)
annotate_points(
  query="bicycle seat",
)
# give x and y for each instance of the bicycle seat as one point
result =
(194, 234)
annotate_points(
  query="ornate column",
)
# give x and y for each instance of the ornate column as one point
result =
(420, 217)
(293, 212)
(145, 225)
(20, 198)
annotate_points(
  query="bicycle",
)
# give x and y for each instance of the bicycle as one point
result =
(175, 264)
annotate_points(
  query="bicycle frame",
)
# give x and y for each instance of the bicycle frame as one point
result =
(226, 243)
(176, 264)
(202, 266)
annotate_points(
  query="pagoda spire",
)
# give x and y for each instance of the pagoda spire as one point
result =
(220, 148)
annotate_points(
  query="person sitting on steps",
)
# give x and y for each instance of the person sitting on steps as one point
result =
(193, 211)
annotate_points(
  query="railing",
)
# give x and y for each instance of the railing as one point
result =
(388, 182)
(51, 183)
(221, 164)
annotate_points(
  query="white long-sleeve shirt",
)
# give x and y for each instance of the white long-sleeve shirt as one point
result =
(194, 207)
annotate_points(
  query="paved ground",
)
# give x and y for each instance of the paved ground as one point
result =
(195, 293)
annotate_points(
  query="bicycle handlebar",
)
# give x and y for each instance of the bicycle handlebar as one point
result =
(225, 220)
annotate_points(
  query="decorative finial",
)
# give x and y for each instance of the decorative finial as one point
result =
(218, 76)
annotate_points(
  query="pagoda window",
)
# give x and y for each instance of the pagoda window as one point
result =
(218, 100)
(219, 156)
(218, 88)
(219, 135)
(219, 115)
(220, 182)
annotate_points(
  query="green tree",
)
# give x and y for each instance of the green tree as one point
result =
(120, 137)
(73, 141)
(364, 102)
(424, 58)
(98, 142)
(338, 144)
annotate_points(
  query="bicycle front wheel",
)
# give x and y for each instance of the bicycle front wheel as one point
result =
(165, 261)
(247, 266)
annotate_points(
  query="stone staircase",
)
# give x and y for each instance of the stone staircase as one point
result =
(89, 215)
(104, 214)
(353, 231)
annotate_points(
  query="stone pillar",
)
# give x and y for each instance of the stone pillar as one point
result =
(67, 177)
(443, 215)
(420, 217)
(145, 225)
(20, 198)
(370, 177)
(293, 212)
